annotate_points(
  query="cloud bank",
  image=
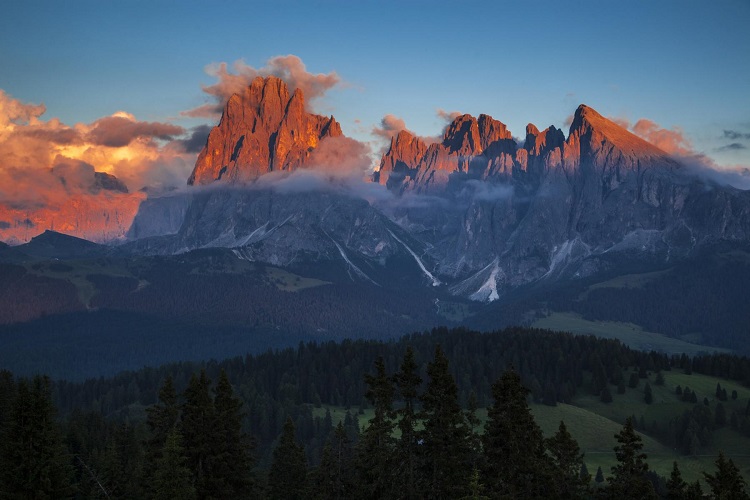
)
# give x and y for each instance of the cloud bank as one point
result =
(49, 169)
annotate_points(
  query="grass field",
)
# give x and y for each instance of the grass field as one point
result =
(626, 281)
(75, 272)
(628, 333)
(290, 282)
(594, 424)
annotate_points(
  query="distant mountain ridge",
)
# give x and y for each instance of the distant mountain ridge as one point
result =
(476, 212)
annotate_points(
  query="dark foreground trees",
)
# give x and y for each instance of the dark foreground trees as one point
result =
(423, 438)
(33, 460)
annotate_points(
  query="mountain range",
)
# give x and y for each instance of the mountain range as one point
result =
(476, 212)
(281, 230)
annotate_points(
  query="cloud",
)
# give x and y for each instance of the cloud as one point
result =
(734, 146)
(13, 111)
(390, 126)
(487, 191)
(735, 135)
(447, 116)
(197, 139)
(705, 168)
(62, 176)
(672, 141)
(122, 128)
(341, 157)
(289, 68)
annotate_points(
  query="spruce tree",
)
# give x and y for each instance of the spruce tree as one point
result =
(161, 419)
(599, 475)
(33, 460)
(172, 479)
(231, 460)
(445, 449)
(567, 463)
(629, 478)
(375, 460)
(516, 463)
(726, 482)
(199, 432)
(287, 477)
(676, 486)
(648, 395)
(333, 479)
(407, 383)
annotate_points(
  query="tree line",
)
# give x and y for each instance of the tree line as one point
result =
(420, 443)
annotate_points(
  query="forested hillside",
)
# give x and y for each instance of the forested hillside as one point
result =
(318, 403)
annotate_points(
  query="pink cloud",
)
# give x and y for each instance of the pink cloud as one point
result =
(289, 68)
(672, 141)
(43, 162)
(447, 116)
(341, 156)
(121, 129)
(390, 126)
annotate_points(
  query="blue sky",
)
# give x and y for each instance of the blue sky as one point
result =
(683, 64)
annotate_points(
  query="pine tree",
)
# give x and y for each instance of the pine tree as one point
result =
(33, 460)
(516, 463)
(676, 486)
(694, 491)
(648, 395)
(172, 479)
(231, 460)
(375, 462)
(122, 470)
(629, 478)
(161, 419)
(475, 439)
(445, 449)
(726, 482)
(333, 479)
(287, 477)
(567, 463)
(659, 378)
(599, 475)
(407, 383)
(199, 431)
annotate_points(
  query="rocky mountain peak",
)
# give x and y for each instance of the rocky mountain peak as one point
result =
(596, 132)
(262, 129)
(467, 135)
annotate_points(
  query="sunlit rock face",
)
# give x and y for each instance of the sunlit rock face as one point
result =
(519, 213)
(262, 129)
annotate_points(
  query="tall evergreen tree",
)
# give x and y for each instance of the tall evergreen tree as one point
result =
(445, 450)
(516, 463)
(407, 383)
(33, 461)
(172, 479)
(122, 468)
(231, 460)
(287, 477)
(567, 463)
(199, 431)
(375, 463)
(333, 479)
(726, 482)
(676, 486)
(648, 395)
(161, 419)
(629, 478)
